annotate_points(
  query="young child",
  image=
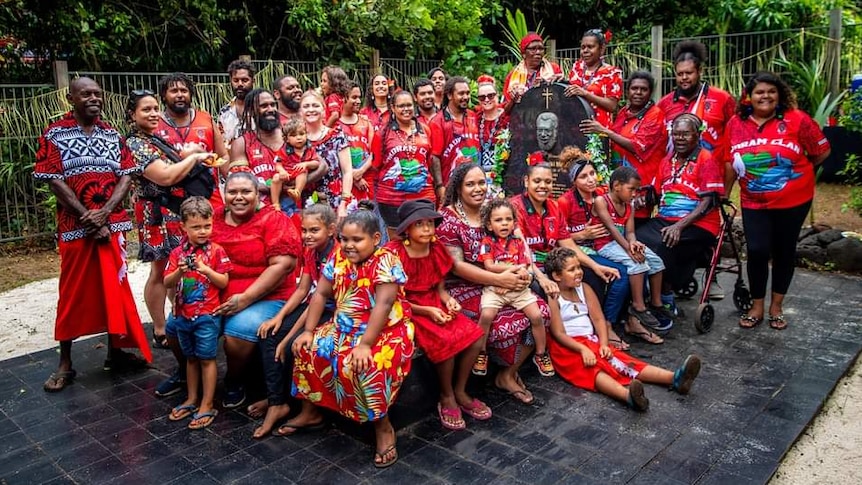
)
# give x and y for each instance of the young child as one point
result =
(333, 87)
(614, 209)
(293, 171)
(579, 343)
(442, 331)
(356, 362)
(359, 133)
(500, 249)
(198, 269)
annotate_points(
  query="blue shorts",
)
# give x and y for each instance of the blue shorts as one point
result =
(244, 324)
(652, 263)
(199, 337)
(288, 205)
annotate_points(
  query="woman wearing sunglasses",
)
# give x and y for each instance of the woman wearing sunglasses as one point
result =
(493, 133)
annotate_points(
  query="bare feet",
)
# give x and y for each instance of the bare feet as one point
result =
(514, 386)
(274, 414)
(257, 409)
(635, 327)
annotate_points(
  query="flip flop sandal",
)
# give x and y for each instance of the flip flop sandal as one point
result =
(648, 337)
(160, 341)
(180, 413)
(747, 321)
(619, 344)
(454, 422)
(207, 417)
(477, 410)
(59, 380)
(297, 429)
(526, 400)
(777, 322)
(381, 454)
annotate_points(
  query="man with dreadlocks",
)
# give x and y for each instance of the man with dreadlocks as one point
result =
(241, 74)
(260, 143)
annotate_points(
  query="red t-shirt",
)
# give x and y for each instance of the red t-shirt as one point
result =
(262, 160)
(510, 250)
(541, 230)
(577, 214)
(359, 137)
(377, 118)
(606, 81)
(333, 104)
(682, 184)
(771, 160)
(454, 140)
(403, 164)
(195, 295)
(648, 134)
(250, 245)
(619, 221)
(90, 165)
(713, 106)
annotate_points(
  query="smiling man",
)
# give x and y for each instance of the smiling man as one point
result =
(241, 74)
(260, 143)
(287, 92)
(454, 133)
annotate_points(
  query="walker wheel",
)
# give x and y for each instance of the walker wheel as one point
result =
(742, 299)
(704, 318)
(689, 290)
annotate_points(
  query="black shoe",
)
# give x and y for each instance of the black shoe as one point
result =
(171, 385)
(119, 361)
(233, 398)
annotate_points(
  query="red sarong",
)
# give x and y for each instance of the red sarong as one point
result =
(95, 295)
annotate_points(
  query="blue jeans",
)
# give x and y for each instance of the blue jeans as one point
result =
(198, 337)
(617, 293)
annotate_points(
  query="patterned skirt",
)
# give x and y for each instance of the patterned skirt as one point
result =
(159, 230)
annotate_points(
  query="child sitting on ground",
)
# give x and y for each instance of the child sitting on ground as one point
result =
(293, 172)
(614, 209)
(579, 343)
(499, 250)
(198, 269)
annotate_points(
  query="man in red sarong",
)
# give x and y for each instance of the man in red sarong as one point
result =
(88, 169)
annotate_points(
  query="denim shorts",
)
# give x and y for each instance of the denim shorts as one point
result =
(652, 263)
(199, 337)
(244, 324)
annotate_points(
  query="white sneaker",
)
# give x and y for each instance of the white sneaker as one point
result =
(716, 292)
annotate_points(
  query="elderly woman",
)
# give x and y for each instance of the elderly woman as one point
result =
(774, 148)
(591, 78)
(156, 193)
(533, 69)
(688, 184)
(509, 340)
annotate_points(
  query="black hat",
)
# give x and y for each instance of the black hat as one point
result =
(416, 210)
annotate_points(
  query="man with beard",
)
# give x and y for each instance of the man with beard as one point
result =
(260, 143)
(241, 74)
(180, 123)
(88, 168)
(287, 93)
(454, 134)
(423, 93)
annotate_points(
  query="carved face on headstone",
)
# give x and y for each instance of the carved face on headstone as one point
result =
(546, 131)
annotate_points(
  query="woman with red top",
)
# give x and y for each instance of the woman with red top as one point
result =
(638, 135)
(591, 78)
(377, 102)
(335, 89)
(335, 185)
(360, 134)
(533, 69)
(493, 133)
(402, 158)
(774, 147)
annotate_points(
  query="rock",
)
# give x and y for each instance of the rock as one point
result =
(818, 227)
(828, 237)
(806, 232)
(811, 254)
(810, 240)
(846, 254)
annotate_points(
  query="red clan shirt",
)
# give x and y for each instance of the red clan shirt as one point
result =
(682, 184)
(510, 250)
(359, 137)
(455, 140)
(713, 105)
(195, 295)
(541, 230)
(403, 164)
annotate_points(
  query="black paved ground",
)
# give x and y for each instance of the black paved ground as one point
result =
(757, 392)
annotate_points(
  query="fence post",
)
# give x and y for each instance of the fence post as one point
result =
(833, 51)
(61, 74)
(552, 50)
(656, 57)
(375, 62)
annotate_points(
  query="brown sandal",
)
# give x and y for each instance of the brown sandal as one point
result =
(59, 380)
(777, 322)
(747, 321)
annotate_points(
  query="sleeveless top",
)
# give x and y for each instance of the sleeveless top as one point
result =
(575, 316)
(201, 130)
(619, 220)
(262, 160)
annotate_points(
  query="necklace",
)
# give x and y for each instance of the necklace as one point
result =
(406, 136)
(487, 145)
(676, 171)
(462, 214)
(317, 136)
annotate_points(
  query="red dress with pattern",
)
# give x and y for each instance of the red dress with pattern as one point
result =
(319, 373)
(606, 81)
(439, 342)
(510, 327)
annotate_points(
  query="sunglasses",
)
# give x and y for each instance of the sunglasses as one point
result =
(486, 97)
(139, 93)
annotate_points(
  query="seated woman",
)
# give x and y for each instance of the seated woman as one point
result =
(688, 183)
(579, 343)
(355, 363)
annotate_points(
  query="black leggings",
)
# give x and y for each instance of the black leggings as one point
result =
(772, 233)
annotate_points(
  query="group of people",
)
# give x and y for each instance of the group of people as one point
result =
(332, 241)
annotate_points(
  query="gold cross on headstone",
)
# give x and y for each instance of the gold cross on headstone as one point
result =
(548, 95)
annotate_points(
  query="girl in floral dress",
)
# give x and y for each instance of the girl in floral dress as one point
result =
(442, 331)
(355, 363)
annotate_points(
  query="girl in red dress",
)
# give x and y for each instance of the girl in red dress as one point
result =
(333, 85)
(579, 344)
(360, 133)
(442, 331)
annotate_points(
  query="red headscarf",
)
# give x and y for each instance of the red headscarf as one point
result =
(529, 38)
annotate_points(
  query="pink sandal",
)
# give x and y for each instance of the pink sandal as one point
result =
(477, 410)
(455, 421)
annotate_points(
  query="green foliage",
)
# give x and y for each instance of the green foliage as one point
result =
(515, 30)
(852, 171)
(851, 112)
(808, 79)
(854, 201)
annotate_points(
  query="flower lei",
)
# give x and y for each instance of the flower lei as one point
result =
(596, 150)
(501, 156)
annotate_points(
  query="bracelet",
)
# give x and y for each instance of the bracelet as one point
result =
(346, 197)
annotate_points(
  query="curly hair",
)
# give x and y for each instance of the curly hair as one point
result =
(623, 175)
(690, 50)
(449, 87)
(294, 126)
(489, 207)
(574, 160)
(239, 65)
(337, 80)
(646, 76)
(556, 261)
(456, 180)
(170, 80)
(786, 97)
